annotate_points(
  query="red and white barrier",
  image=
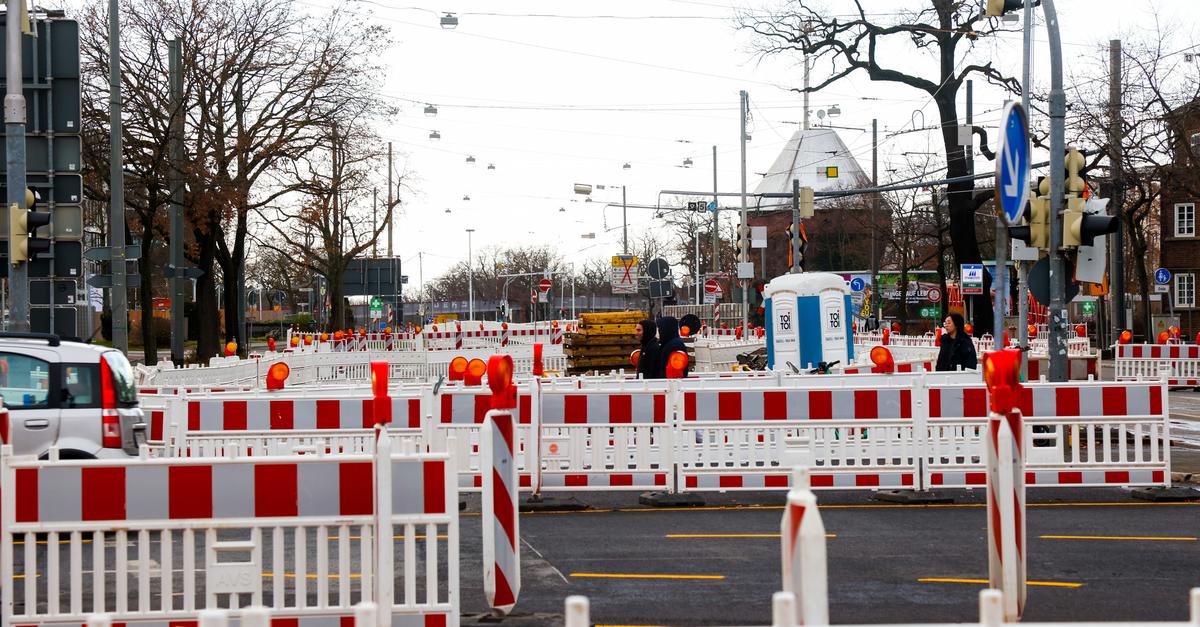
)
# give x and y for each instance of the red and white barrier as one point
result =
(1179, 364)
(182, 509)
(501, 525)
(805, 570)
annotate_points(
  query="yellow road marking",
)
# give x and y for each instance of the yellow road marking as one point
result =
(1050, 584)
(641, 576)
(1161, 538)
(729, 535)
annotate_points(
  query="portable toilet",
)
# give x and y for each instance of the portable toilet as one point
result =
(808, 320)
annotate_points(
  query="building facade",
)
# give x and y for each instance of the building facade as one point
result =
(1180, 242)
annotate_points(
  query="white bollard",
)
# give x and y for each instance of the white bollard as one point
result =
(991, 608)
(213, 618)
(501, 526)
(802, 551)
(99, 620)
(578, 612)
(783, 609)
(256, 617)
(1195, 619)
(1006, 511)
(365, 614)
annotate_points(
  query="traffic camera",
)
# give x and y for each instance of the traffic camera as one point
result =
(23, 242)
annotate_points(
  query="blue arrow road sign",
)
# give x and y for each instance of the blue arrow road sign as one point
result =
(1012, 164)
(857, 284)
(1162, 276)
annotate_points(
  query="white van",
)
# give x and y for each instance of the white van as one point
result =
(77, 397)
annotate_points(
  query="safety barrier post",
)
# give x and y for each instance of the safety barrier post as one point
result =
(803, 552)
(920, 419)
(501, 533)
(384, 554)
(783, 609)
(1006, 481)
(578, 612)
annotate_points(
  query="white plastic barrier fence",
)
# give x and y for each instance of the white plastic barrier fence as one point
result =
(164, 539)
(863, 431)
(1147, 362)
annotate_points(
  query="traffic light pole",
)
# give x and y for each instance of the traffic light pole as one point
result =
(744, 253)
(14, 129)
(1022, 268)
(1058, 278)
(116, 208)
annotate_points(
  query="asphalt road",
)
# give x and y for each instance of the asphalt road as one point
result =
(879, 562)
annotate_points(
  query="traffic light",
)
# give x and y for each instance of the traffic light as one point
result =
(1036, 230)
(23, 242)
(743, 244)
(1095, 221)
(1075, 203)
(997, 8)
(791, 245)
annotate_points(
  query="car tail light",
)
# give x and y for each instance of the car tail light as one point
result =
(110, 419)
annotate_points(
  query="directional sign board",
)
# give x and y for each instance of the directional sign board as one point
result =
(1012, 164)
(972, 279)
(624, 274)
(1162, 276)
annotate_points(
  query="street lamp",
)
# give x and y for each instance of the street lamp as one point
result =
(434, 135)
(430, 110)
(449, 21)
(586, 190)
(470, 279)
(470, 159)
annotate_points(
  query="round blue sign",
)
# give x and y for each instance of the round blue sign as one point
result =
(712, 205)
(857, 284)
(1162, 276)
(1012, 164)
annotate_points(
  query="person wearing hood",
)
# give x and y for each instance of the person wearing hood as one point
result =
(669, 342)
(647, 365)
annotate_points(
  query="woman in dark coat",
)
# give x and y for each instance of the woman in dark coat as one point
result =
(957, 349)
(647, 365)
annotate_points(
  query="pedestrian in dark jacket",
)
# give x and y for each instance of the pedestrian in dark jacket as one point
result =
(647, 365)
(957, 349)
(669, 342)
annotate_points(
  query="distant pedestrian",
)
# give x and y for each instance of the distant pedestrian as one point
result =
(669, 342)
(647, 365)
(957, 349)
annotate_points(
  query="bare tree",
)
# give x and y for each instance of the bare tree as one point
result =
(944, 31)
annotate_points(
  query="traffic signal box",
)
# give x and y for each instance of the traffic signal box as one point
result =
(23, 224)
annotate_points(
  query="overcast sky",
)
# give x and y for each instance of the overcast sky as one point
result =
(556, 92)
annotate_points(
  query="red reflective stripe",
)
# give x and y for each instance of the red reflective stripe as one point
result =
(1156, 406)
(575, 409)
(935, 403)
(729, 405)
(27, 495)
(431, 620)
(193, 416)
(906, 403)
(435, 486)
(820, 405)
(1070, 477)
(1067, 401)
(275, 490)
(822, 481)
(414, 413)
(866, 404)
(976, 478)
(974, 402)
(730, 482)
(447, 408)
(156, 425)
(355, 483)
(190, 492)
(234, 415)
(689, 406)
(660, 408)
(282, 415)
(1116, 476)
(866, 480)
(775, 481)
(936, 478)
(775, 406)
(103, 493)
(620, 480)
(525, 409)
(483, 403)
(1113, 400)
(620, 408)
(328, 412)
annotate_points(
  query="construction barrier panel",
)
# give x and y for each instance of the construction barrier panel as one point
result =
(1179, 363)
(298, 535)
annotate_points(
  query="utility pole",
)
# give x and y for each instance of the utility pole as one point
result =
(875, 295)
(390, 206)
(470, 279)
(14, 130)
(1058, 278)
(178, 281)
(795, 243)
(1022, 267)
(374, 221)
(624, 222)
(716, 256)
(239, 261)
(116, 209)
(743, 111)
(1116, 285)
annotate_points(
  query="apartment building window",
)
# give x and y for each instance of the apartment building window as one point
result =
(1185, 220)
(1185, 290)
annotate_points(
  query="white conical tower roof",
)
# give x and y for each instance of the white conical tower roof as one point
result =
(818, 158)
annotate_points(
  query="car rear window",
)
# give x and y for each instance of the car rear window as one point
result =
(122, 374)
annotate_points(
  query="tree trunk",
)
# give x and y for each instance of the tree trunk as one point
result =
(146, 297)
(1138, 239)
(962, 210)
